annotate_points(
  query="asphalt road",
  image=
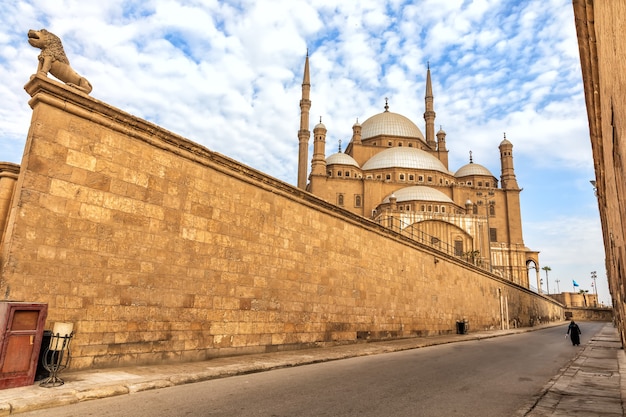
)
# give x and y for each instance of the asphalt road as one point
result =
(490, 377)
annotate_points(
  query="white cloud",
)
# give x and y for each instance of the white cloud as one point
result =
(227, 75)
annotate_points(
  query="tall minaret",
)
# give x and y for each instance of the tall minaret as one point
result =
(318, 163)
(429, 114)
(507, 176)
(304, 134)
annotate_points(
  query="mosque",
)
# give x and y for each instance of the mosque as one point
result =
(397, 177)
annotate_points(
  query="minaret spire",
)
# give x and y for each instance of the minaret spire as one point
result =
(429, 114)
(507, 177)
(304, 134)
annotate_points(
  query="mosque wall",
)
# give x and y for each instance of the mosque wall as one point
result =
(159, 250)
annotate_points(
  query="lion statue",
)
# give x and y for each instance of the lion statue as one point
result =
(52, 59)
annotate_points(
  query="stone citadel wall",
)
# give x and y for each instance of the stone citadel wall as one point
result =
(161, 250)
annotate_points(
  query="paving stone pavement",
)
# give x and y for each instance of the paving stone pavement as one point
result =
(590, 385)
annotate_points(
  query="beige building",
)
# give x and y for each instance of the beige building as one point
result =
(393, 174)
(600, 26)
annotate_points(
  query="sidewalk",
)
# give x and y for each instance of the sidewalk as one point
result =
(589, 386)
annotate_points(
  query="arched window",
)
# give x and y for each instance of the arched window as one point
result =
(340, 200)
(492, 210)
(357, 201)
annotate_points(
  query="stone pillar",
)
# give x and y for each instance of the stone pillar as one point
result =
(8, 177)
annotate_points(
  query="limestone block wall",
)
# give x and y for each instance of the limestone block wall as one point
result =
(599, 28)
(161, 250)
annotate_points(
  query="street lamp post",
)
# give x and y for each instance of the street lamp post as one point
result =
(595, 287)
(558, 291)
(488, 204)
(547, 268)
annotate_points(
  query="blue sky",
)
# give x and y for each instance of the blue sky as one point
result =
(227, 74)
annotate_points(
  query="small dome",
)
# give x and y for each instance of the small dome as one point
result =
(390, 124)
(341, 158)
(320, 125)
(472, 169)
(419, 193)
(505, 142)
(405, 157)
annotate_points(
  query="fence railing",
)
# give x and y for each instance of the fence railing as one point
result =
(411, 231)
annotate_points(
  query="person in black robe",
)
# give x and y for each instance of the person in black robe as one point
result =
(574, 333)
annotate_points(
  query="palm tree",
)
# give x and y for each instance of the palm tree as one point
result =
(547, 268)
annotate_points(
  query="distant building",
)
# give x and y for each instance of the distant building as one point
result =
(577, 299)
(395, 175)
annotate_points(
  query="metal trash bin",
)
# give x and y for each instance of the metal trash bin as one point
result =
(462, 327)
(42, 373)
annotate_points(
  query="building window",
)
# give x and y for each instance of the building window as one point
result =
(388, 177)
(401, 177)
(420, 178)
(347, 173)
(430, 208)
(440, 180)
(480, 183)
(410, 145)
(436, 209)
(423, 207)
(379, 177)
(411, 177)
(493, 235)
(357, 201)
(458, 248)
(487, 184)
(339, 173)
(408, 208)
(340, 200)
(330, 173)
(389, 143)
(430, 179)
(492, 210)
(475, 209)
(443, 209)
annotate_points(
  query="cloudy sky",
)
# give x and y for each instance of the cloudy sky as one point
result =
(227, 74)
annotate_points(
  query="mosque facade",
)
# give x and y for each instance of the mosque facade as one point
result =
(394, 175)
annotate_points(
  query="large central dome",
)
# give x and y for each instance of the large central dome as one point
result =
(390, 124)
(404, 157)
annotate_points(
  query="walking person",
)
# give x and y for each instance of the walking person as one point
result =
(574, 333)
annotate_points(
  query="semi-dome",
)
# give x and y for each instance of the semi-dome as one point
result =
(341, 158)
(404, 157)
(390, 124)
(419, 193)
(472, 169)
